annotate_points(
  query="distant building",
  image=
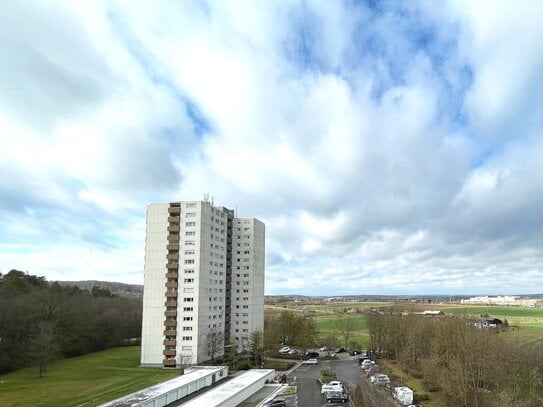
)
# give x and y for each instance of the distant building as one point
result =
(204, 282)
(500, 300)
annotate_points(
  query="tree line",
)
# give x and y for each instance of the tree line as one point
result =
(41, 321)
(467, 365)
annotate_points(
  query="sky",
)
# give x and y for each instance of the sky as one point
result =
(390, 147)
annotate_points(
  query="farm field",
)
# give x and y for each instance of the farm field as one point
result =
(87, 380)
(326, 316)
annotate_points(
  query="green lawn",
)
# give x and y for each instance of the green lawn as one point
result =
(82, 381)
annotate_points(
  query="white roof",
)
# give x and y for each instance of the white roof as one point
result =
(191, 375)
(219, 394)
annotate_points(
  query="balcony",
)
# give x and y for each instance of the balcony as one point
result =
(173, 228)
(171, 294)
(174, 210)
(172, 266)
(170, 304)
(172, 247)
(169, 342)
(170, 323)
(170, 313)
(170, 332)
(174, 219)
(168, 362)
(168, 352)
(173, 238)
(171, 275)
(171, 284)
(172, 256)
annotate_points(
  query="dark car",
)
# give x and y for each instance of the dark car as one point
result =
(355, 352)
(282, 378)
(337, 397)
(276, 402)
(340, 350)
(312, 354)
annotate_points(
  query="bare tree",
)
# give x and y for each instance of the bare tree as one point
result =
(185, 360)
(44, 345)
(257, 349)
(215, 343)
(345, 327)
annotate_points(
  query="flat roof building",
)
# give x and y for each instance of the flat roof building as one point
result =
(203, 282)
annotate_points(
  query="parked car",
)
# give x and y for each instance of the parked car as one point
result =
(334, 385)
(355, 352)
(276, 402)
(324, 349)
(366, 364)
(284, 349)
(293, 351)
(310, 362)
(312, 354)
(337, 397)
(362, 359)
(281, 378)
(340, 350)
(380, 378)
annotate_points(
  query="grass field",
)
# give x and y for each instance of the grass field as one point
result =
(82, 381)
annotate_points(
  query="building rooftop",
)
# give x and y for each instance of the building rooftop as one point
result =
(191, 375)
(223, 392)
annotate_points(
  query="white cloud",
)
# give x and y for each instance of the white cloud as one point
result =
(395, 150)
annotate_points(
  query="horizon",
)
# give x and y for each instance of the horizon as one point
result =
(393, 147)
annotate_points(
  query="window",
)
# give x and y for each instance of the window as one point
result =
(190, 224)
(189, 242)
(190, 205)
(190, 215)
(188, 299)
(189, 261)
(189, 280)
(186, 348)
(246, 252)
(188, 290)
(190, 233)
(187, 338)
(189, 271)
(187, 309)
(187, 318)
(187, 328)
(189, 252)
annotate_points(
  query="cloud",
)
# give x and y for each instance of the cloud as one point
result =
(391, 148)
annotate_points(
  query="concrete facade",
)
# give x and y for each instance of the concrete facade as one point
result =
(193, 288)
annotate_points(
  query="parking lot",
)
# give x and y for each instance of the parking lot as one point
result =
(305, 377)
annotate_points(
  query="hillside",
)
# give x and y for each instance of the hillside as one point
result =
(121, 289)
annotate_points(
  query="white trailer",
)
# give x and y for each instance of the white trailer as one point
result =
(404, 395)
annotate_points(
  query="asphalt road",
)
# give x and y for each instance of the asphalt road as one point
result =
(309, 388)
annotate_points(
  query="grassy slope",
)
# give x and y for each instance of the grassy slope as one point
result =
(82, 381)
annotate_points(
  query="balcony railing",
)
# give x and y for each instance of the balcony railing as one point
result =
(174, 210)
(171, 294)
(170, 313)
(169, 342)
(171, 284)
(170, 323)
(171, 274)
(168, 362)
(170, 332)
(172, 256)
(170, 303)
(174, 219)
(172, 247)
(173, 228)
(172, 266)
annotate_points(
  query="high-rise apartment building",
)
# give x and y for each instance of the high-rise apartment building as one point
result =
(204, 282)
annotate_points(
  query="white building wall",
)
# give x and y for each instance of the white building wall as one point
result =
(154, 280)
(247, 279)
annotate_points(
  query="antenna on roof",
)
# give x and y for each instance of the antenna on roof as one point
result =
(212, 199)
(206, 197)
(236, 215)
